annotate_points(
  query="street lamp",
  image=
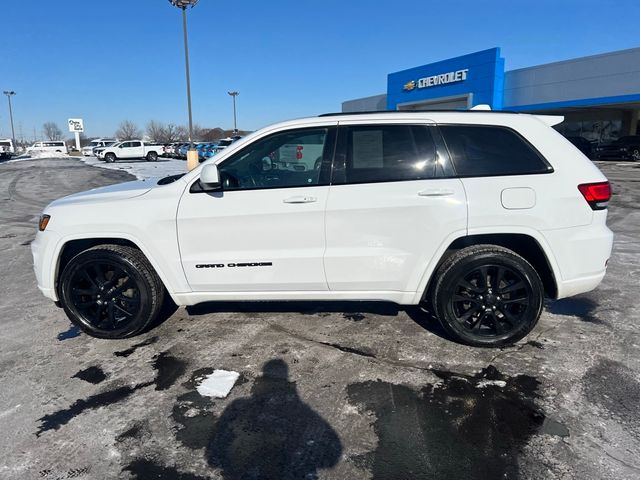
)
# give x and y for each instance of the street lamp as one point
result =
(192, 154)
(235, 126)
(9, 94)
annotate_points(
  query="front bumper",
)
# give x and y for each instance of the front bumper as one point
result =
(43, 249)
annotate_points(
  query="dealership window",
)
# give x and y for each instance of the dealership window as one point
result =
(389, 153)
(486, 151)
(287, 159)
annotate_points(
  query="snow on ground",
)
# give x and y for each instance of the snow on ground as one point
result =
(218, 384)
(141, 169)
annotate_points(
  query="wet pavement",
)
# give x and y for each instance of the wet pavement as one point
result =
(326, 390)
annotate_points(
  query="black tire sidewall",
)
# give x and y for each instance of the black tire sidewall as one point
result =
(135, 325)
(453, 275)
(110, 158)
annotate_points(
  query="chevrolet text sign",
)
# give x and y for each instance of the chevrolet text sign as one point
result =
(434, 80)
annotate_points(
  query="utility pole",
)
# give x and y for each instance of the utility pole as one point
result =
(192, 154)
(235, 125)
(9, 94)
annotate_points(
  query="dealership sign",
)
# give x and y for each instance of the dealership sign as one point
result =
(435, 80)
(76, 125)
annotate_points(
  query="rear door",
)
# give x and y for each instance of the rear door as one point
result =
(390, 206)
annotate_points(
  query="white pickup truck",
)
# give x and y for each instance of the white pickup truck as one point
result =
(131, 149)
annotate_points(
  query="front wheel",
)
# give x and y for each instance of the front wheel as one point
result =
(111, 291)
(152, 157)
(635, 155)
(487, 296)
(110, 158)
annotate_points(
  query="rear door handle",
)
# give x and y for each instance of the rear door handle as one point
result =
(436, 192)
(300, 199)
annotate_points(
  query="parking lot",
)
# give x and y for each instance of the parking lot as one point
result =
(349, 390)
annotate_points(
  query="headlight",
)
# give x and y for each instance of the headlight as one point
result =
(44, 221)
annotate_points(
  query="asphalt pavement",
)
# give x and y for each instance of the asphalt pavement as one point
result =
(326, 390)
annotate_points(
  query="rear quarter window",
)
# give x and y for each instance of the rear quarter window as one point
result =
(478, 151)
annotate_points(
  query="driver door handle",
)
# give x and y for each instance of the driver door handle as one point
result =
(436, 192)
(300, 199)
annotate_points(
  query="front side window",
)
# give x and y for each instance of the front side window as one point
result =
(125, 145)
(479, 151)
(389, 153)
(294, 158)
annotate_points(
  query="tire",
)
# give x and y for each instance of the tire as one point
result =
(110, 158)
(635, 155)
(134, 292)
(495, 312)
(152, 157)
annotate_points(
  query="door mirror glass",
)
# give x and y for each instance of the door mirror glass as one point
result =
(210, 178)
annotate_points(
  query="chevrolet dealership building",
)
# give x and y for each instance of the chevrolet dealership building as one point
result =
(598, 95)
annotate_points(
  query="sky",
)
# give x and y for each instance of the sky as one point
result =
(109, 61)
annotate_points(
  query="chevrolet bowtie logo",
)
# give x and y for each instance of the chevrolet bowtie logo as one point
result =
(409, 86)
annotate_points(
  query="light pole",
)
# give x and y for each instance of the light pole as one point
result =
(9, 94)
(235, 125)
(192, 154)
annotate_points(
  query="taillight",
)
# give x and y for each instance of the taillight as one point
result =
(597, 195)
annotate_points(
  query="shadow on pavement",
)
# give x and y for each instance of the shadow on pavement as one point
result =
(354, 310)
(272, 433)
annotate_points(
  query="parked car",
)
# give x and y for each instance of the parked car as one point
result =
(224, 143)
(582, 144)
(129, 150)
(182, 150)
(49, 146)
(89, 150)
(475, 215)
(624, 148)
(7, 150)
(98, 150)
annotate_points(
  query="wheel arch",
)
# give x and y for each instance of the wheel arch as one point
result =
(532, 249)
(70, 247)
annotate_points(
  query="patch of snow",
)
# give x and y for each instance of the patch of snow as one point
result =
(486, 383)
(218, 384)
(141, 169)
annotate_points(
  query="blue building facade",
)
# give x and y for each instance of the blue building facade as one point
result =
(599, 95)
(473, 79)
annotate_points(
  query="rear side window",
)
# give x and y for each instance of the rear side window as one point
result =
(389, 153)
(479, 151)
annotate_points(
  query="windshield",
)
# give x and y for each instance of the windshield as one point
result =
(5, 144)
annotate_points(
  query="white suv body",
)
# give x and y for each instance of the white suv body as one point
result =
(391, 198)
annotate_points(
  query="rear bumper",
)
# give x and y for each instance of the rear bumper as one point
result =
(581, 254)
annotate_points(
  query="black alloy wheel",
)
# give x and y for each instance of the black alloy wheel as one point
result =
(488, 296)
(635, 154)
(110, 158)
(110, 291)
(152, 157)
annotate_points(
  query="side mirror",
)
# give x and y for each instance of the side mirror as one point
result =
(210, 178)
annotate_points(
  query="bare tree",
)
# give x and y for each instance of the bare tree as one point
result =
(181, 133)
(52, 131)
(128, 131)
(157, 132)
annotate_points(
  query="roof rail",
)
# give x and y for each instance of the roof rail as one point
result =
(336, 114)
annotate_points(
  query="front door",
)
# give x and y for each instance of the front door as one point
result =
(264, 231)
(390, 207)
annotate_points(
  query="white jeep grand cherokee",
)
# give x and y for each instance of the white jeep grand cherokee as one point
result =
(477, 215)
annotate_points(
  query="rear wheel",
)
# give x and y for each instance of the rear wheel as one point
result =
(487, 296)
(110, 158)
(152, 156)
(635, 154)
(111, 291)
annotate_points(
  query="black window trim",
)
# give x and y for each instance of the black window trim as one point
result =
(326, 168)
(342, 147)
(549, 170)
